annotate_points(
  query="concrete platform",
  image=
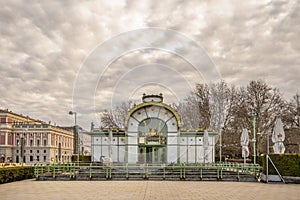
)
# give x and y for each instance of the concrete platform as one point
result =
(88, 190)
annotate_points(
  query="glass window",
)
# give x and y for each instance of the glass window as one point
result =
(152, 127)
(45, 142)
(38, 142)
(45, 151)
(38, 158)
(45, 158)
(31, 158)
(38, 151)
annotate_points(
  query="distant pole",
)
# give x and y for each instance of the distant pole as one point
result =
(268, 144)
(254, 138)
(76, 132)
(220, 152)
(267, 158)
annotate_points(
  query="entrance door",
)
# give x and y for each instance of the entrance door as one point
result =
(154, 155)
(149, 154)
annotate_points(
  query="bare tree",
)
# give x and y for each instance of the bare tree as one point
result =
(108, 119)
(234, 108)
(291, 114)
(189, 112)
(260, 99)
(115, 118)
(219, 103)
(202, 97)
(266, 103)
(207, 106)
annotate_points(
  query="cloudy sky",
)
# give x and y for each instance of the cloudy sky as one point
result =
(88, 56)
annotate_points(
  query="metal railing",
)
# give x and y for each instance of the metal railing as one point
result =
(145, 171)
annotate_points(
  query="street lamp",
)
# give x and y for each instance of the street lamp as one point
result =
(254, 137)
(73, 113)
(220, 152)
(76, 131)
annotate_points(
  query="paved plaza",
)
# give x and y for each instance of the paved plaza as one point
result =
(88, 190)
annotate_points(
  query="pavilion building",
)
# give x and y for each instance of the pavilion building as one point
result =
(153, 134)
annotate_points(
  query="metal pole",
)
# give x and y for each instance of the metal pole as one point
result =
(76, 132)
(268, 150)
(220, 145)
(267, 159)
(78, 142)
(254, 139)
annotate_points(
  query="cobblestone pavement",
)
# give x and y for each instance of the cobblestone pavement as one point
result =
(86, 190)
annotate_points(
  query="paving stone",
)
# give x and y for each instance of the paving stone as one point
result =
(89, 190)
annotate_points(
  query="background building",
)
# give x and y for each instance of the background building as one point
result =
(23, 139)
(85, 142)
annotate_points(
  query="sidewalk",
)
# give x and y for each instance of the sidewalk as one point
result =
(88, 190)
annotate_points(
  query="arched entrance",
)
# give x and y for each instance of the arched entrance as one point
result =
(152, 129)
(152, 137)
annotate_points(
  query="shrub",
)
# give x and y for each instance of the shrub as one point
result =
(287, 164)
(11, 174)
(82, 158)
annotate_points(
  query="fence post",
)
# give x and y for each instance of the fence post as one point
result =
(53, 171)
(90, 170)
(200, 168)
(164, 166)
(183, 170)
(127, 171)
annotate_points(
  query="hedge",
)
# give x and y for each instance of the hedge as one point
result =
(82, 158)
(10, 174)
(287, 164)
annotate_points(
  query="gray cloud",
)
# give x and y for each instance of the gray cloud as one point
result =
(44, 44)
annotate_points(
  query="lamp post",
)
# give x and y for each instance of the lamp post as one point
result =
(220, 152)
(254, 137)
(76, 131)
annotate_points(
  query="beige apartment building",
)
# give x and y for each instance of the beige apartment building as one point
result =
(27, 140)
